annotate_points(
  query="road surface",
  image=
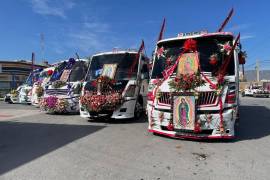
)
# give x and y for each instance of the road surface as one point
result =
(34, 146)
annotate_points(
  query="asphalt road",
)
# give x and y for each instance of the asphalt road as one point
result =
(34, 145)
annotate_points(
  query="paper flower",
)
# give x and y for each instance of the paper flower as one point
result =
(225, 48)
(50, 72)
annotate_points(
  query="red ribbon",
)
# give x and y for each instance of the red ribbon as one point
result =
(220, 111)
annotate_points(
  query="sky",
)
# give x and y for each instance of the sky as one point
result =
(87, 27)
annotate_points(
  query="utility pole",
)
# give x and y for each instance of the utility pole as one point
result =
(257, 68)
(243, 71)
(42, 45)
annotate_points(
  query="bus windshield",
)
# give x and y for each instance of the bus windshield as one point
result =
(78, 71)
(124, 63)
(206, 46)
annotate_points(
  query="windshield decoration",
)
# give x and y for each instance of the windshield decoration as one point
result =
(188, 76)
(213, 60)
(65, 75)
(98, 72)
(50, 72)
(160, 52)
(190, 45)
(58, 71)
(188, 64)
(109, 70)
(225, 48)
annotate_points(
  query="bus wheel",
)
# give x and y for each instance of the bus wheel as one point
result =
(138, 111)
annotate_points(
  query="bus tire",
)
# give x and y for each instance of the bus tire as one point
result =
(138, 110)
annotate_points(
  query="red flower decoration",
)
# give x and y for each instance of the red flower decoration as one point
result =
(160, 52)
(197, 127)
(190, 45)
(94, 83)
(213, 60)
(50, 72)
(170, 127)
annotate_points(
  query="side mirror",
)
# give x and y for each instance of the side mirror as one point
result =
(242, 57)
(143, 76)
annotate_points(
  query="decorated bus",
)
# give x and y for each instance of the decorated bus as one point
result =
(62, 93)
(193, 90)
(116, 85)
(23, 93)
(39, 86)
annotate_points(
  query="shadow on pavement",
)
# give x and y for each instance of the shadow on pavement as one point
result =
(23, 142)
(142, 119)
(254, 123)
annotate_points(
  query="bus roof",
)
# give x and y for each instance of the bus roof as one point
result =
(115, 52)
(204, 34)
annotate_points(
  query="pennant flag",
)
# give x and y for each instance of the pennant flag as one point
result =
(160, 37)
(141, 47)
(131, 70)
(226, 21)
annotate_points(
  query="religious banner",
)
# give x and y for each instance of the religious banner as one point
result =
(65, 75)
(188, 64)
(109, 70)
(184, 112)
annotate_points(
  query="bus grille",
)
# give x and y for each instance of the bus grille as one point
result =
(205, 98)
(208, 97)
(55, 92)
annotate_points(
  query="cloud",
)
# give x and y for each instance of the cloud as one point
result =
(247, 36)
(51, 7)
(92, 36)
(239, 27)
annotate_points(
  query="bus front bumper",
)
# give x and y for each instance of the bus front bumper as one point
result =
(159, 122)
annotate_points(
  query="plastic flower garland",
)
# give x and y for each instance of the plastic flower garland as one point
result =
(95, 103)
(53, 104)
(186, 82)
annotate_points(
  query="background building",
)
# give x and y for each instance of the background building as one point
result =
(14, 73)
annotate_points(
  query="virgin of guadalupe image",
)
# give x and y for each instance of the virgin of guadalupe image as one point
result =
(108, 71)
(183, 111)
(188, 64)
